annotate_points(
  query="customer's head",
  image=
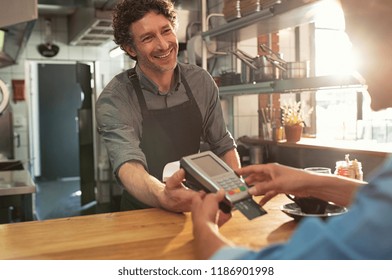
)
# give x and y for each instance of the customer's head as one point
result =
(368, 24)
(127, 12)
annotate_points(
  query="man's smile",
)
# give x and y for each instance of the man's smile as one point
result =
(165, 55)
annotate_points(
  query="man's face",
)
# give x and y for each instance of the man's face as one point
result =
(368, 25)
(155, 44)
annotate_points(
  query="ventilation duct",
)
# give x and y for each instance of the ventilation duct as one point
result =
(90, 27)
(16, 25)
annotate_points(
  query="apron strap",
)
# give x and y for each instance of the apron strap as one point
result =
(187, 89)
(139, 93)
(138, 89)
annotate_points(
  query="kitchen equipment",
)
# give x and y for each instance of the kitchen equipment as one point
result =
(296, 70)
(293, 70)
(6, 124)
(17, 20)
(4, 96)
(48, 49)
(230, 78)
(265, 68)
(247, 74)
(244, 154)
(7, 149)
(257, 154)
(246, 58)
(276, 67)
(273, 55)
(267, 73)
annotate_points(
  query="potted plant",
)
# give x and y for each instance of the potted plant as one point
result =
(293, 121)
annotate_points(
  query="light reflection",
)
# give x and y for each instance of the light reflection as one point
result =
(77, 193)
(334, 53)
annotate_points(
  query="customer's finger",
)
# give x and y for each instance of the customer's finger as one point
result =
(267, 197)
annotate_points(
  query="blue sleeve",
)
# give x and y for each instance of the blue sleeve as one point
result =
(364, 232)
(306, 240)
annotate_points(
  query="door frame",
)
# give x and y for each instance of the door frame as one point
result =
(31, 78)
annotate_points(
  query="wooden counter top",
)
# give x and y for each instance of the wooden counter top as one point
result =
(143, 234)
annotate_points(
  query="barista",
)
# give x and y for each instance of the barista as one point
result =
(158, 111)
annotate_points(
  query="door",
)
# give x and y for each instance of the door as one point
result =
(60, 97)
(86, 142)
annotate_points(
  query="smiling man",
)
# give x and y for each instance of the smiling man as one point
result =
(158, 111)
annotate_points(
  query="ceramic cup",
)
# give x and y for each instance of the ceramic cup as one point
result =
(309, 205)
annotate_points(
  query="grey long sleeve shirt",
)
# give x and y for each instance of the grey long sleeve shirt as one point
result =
(119, 116)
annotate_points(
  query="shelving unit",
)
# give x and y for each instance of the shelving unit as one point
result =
(288, 14)
(280, 16)
(239, 23)
(286, 86)
(292, 85)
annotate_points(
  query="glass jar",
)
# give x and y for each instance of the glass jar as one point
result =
(351, 169)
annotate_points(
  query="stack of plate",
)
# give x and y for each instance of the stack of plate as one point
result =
(231, 9)
(265, 4)
(249, 6)
(235, 9)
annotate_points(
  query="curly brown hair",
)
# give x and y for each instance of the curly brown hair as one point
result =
(128, 11)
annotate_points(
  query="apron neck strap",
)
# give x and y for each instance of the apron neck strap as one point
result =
(139, 93)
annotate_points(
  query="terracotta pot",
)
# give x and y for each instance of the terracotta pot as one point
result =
(293, 133)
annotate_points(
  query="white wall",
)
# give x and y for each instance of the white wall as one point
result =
(108, 67)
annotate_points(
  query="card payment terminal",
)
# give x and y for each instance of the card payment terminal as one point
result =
(208, 172)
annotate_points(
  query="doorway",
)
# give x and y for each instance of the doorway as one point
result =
(57, 150)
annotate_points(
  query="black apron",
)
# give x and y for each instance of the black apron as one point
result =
(167, 135)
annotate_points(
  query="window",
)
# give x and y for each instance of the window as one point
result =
(345, 114)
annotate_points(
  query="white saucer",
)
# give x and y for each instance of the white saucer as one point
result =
(293, 210)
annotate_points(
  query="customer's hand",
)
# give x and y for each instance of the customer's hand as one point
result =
(175, 196)
(272, 179)
(205, 209)
(207, 218)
